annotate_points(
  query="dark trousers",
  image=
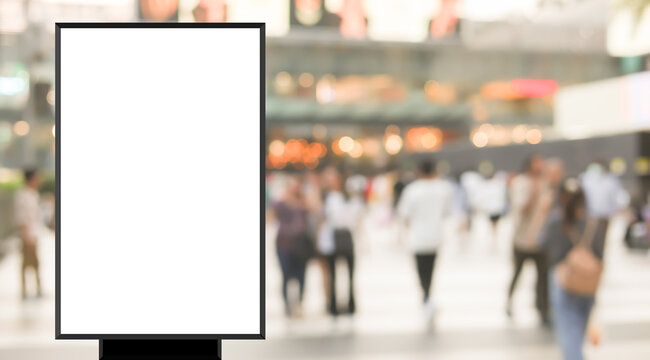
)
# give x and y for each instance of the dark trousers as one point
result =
(291, 269)
(425, 264)
(541, 288)
(331, 264)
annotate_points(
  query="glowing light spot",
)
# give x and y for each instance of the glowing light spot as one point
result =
(393, 144)
(618, 166)
(534, 136)
(346, 144)
(357, 150)
(306, 80)
(284, 83)
(480, 139)
(429, 140)
(21, 128)
(519, 134)
(276, 148)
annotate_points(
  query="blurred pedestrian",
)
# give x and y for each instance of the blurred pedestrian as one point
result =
(335, 240)
(294, 242)
(461, 206)
(28, 222)
(424, 204)
(492, 196)
(604, 194)
(575, 243)
(529, 195)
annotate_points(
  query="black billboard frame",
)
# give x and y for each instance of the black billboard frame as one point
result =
(193, 346)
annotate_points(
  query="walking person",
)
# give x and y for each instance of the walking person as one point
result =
(492, 199)
(531, 194)
(424, 204)
(604, 193)
(575, 243)
(292, 241)
(336, 241)
(28, 221)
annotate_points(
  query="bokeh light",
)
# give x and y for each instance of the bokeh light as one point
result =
(519, 134)
(346, 144)
(21, 128)
(480, 139)
(276, 148)
(306, 80)
(618, 166)
(393, 144)
(357, 150)
(284, 83)
(534, 136)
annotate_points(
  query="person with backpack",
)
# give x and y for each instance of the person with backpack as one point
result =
(574, 242)
(294, 243)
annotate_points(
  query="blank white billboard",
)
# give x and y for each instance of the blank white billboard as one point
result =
(159, 173)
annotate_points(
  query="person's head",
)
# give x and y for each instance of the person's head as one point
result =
(294, 186)
(332, 179)
(572, 200)
(597, 168)
(554, 171)
(427, 168)
(534, 164)
(32, 179)
(355, 185)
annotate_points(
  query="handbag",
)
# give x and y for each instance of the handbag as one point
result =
(580, 271)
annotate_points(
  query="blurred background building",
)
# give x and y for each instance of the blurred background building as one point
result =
(371, 87)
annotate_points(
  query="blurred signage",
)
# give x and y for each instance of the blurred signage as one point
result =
(49, 11)
(384, 20)
(604, 107)
(12, 16)
(398, 20)
(481, 10)
(14, 85)
(308, 13)
(210, 11)
(275, 13)
(628, 33)
(158, 10)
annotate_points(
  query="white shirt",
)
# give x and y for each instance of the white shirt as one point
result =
(424, 204)
(339, 214)
(27, 210)
(492, 194)
(604, 194)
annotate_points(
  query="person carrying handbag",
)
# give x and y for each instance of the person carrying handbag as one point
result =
(575, 244)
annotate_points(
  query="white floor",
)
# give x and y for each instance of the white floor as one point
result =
(472, 275)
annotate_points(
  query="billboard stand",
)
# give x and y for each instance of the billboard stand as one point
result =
(159, 349)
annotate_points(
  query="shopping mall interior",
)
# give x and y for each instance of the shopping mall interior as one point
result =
(371, 90)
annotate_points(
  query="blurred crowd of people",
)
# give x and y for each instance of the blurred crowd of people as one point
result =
(559, 223)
